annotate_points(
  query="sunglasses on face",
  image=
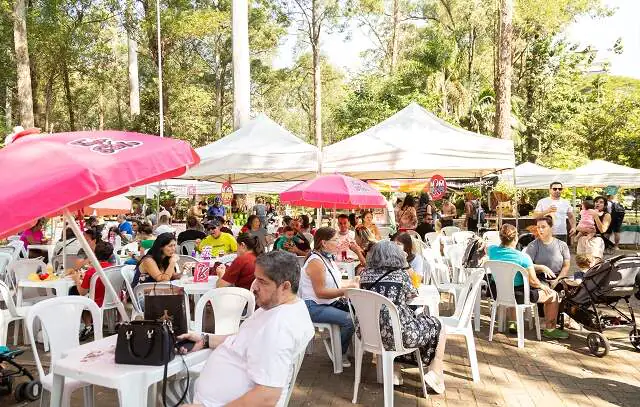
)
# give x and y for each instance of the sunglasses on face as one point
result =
(557, 189)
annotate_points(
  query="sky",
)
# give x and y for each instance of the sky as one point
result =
(601, 33)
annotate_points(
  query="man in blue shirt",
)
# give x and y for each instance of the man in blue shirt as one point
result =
(124, 225)
(217, 210)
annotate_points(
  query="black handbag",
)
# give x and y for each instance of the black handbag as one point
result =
(166, 303)
(148, 343)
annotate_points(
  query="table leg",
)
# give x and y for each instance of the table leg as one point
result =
(56, 391)
(132, 395)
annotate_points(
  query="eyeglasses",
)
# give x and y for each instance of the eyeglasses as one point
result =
(557, 189)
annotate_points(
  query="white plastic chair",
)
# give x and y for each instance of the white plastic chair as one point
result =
(463, 236)
(128, 272)
(110, 303)
(332, 344)
(58, 261)
(10, 314)
(413, 234)
(460, 322)
(185, 259)
(138, 296)
(60, 318)
(503, 274)
(5, 260)
(385, 231)
(187, 247)
(431, 238)
(288, 390)
(129, 247)
(11, 251)
(492, 237)
(454, 255)
(450, 230)
(367, 306)
(20, 270)
(228, 305)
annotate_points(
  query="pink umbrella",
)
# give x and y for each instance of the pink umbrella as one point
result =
(115, 205)
(49, 174)
(333, 191)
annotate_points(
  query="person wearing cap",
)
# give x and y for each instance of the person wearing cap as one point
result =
(217, 210)
(218, 240)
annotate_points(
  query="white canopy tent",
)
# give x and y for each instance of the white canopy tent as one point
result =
(414, 143)
(534, 176)
(600, 173)
(261, 151)
(181, 188)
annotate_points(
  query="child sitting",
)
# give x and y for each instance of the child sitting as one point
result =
(584, 262)
(586, 220)
(285, 241)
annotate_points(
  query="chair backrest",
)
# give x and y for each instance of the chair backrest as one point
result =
(5, 259)
(450, 230)
(132, 247)
(18, 245)
(228, 305)
(466, 300)
(187, 247)
(385, 231)
(431, 237)
(185, 259)
(454, 255)
(60, 318)
(288, 390)
(7, 298)
(128, 272)
(117, 281)
(492, 237)
(462, 236)
(10, 250)
(59, 261)
(367, 306)
(20, 269)
(413, 234)
(503, 274)
(138, 292)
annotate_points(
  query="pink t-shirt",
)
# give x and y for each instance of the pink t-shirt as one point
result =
(586, 219)
(36, 237)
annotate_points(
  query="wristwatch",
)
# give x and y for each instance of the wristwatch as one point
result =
(205, 341)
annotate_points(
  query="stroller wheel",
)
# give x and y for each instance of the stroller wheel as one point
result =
(33, 390)
(6, 385)
(634, 338)
(598, 344)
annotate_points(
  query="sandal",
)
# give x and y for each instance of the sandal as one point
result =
(512, 327)
(434, 382)
(555, 334)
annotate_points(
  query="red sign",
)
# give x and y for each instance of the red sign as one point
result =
(201, 273)
(438, 187)
(226, 193)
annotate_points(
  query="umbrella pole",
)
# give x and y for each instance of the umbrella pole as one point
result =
(64, 247)
(94, 261)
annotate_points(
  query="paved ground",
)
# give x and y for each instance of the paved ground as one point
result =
(546, 373)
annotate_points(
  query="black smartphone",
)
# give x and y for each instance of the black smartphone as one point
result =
(185, 343)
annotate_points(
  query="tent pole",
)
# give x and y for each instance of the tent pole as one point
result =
(515, 184)
(94, 261)
(64, 248)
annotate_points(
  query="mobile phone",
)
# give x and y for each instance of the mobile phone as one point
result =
(188, 344)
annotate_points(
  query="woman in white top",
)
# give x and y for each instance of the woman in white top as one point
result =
(320, 287)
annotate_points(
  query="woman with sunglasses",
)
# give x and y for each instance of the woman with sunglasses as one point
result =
(559, 209)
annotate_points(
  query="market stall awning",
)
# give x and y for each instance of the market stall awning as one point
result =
(599, 173)
(534, 176)
(415, 144)
(261, 151)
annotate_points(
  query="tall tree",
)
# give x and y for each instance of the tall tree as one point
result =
(25, 98)
(132, 60)
(503, 74)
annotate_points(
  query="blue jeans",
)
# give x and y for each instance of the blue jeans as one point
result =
(330, 315)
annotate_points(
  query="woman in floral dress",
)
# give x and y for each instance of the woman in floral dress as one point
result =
(387, 273)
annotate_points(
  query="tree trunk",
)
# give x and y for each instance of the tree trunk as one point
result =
(25, 97)
(395, 35)
(101, 109)
(68, 96)
(8, 111)
(134, 85)
(241, 67)
(503, 80)
(48, 99)
(37, 108)
(317, 84)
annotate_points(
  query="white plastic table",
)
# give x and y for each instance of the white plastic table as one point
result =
(61, 287)
(428, 296)
(94, 363)
(192, 288)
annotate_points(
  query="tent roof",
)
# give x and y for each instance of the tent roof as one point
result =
(180, 187)
(603, 173)
(534, 176)
(261, 151)
(414, 143)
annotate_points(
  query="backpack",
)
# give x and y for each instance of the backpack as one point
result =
(474, 253)
(478, 213)
(617, 210)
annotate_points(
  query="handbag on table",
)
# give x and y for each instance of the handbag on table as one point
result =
(166, 304)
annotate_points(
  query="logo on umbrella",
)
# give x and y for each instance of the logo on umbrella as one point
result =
(105, 145)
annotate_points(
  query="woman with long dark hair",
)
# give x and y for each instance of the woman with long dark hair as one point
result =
(160, 262)
(407, 217)
(255, 228)
(241, 271)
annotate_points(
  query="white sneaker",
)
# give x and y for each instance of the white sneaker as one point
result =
(345, 361)
(434, 382)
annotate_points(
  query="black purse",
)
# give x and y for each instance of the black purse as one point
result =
(148, 343)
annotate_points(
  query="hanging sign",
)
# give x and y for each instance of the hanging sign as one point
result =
(226, 193)
(438, 187)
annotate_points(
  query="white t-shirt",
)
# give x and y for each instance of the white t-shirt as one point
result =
(559, 216)
(261, 353)
(163, 229)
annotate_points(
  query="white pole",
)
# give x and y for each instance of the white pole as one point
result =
(241, 69)
(96, 264)
(159, 69)
(517, 190)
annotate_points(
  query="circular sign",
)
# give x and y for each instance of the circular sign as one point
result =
(438, 187)
(226, 193)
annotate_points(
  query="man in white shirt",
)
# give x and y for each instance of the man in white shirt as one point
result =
(559, 209)
(163, 226)
(345, 238)
(254, 366)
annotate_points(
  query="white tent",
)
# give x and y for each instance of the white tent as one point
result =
(534, 176)
(414, 143)
(598, 173)
(261, 151)
(184, 188)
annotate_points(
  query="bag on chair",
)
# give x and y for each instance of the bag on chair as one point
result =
(166, 304)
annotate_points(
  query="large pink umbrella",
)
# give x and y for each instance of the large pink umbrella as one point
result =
(49, 174)
(333, 191)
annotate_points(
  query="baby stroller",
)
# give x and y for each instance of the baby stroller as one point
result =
(30, 390)
(605, 284)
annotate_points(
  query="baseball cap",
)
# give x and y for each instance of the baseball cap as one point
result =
(212, 224)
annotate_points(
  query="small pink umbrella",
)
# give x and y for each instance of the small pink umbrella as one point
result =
(49, 174)
(333, 191)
